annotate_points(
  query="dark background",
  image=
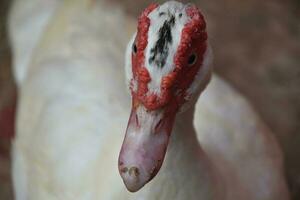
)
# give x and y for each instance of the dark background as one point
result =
(256, 48)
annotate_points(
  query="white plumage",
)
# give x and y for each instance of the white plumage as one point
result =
(73, 110)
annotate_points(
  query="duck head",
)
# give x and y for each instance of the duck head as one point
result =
(167, 66)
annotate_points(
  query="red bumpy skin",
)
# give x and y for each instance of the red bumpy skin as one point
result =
(193, 35)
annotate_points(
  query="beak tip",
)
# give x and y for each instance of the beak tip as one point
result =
(132, 178)
(132, 188)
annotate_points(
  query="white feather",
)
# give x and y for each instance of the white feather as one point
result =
(156, 22)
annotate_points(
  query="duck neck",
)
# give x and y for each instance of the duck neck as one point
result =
(186, 162)
(184, 136)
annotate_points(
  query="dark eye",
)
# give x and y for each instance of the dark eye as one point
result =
(192, 59)
(134, 48)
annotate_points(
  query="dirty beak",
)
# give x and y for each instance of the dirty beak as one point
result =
(144, 146)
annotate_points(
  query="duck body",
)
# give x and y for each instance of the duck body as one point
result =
(73, 109)
(65, 125)
(240, 145)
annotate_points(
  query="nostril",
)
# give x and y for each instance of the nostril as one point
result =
(124, 169)
(134, 171)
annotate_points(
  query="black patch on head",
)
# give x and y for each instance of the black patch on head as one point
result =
(161, 14)
(159, 52)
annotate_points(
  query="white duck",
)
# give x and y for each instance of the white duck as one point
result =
(168, 66)
(73, 108)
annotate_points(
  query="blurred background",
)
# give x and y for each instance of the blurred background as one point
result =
(256, 48)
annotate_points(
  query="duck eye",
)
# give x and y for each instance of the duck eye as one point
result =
(192, 59)
(134, 48)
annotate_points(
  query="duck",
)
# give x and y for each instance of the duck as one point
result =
(73, 109)
(217, 148)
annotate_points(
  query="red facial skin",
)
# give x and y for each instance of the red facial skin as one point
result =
(173, 85)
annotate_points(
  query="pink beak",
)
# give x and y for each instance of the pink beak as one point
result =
(144, 146)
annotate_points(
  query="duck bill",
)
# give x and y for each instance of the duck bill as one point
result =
(144, 146)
